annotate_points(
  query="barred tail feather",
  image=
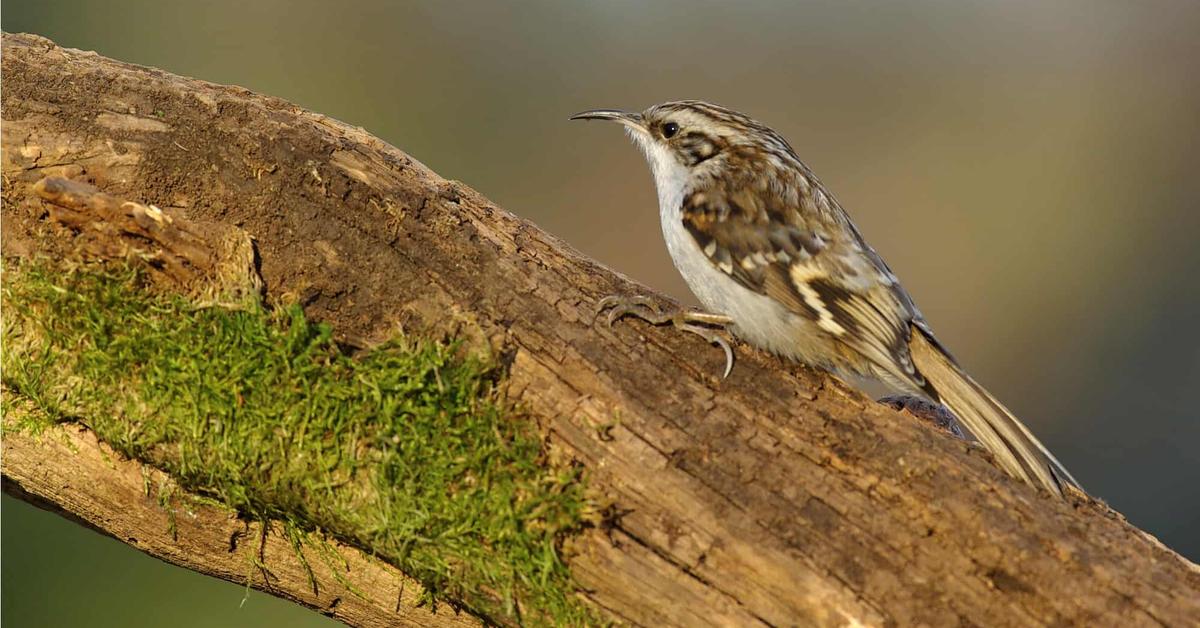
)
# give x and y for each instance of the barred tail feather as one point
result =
(1016, 448)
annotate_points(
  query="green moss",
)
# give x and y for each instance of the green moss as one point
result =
(406, 450)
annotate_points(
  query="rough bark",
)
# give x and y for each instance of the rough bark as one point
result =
(777, 496)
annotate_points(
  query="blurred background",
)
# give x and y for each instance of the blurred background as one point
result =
(1029, 170)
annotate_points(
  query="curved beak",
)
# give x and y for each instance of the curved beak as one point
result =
(627, 118)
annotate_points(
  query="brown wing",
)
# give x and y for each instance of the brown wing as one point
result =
(815, 263)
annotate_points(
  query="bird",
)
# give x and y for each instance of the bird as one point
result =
(775, 260)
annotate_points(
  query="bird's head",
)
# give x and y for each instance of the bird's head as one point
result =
(690, 138)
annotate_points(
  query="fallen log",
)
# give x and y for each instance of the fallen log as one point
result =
(777, 496)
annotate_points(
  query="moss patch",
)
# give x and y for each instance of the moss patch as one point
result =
(406, 451)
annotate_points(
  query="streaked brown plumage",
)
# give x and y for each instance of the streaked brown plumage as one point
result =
(762, 243)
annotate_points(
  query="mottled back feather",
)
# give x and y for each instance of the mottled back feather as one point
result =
(752, 228)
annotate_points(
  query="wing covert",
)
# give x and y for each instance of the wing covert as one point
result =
(841, 285)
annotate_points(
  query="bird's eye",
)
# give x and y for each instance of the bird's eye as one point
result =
(670, 129)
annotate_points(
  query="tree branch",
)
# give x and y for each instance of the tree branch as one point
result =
(776, 497)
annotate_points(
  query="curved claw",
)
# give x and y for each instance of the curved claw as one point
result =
(603, 304)
(713, 337)
(728, 357)
(648, 309)
(624, 310)
(642, 307)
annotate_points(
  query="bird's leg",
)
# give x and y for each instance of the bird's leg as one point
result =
(704, 324)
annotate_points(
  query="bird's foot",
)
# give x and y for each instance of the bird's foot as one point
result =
(708, 326)
(935, 413)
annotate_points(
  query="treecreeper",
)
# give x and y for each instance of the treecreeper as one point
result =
(774, 259)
